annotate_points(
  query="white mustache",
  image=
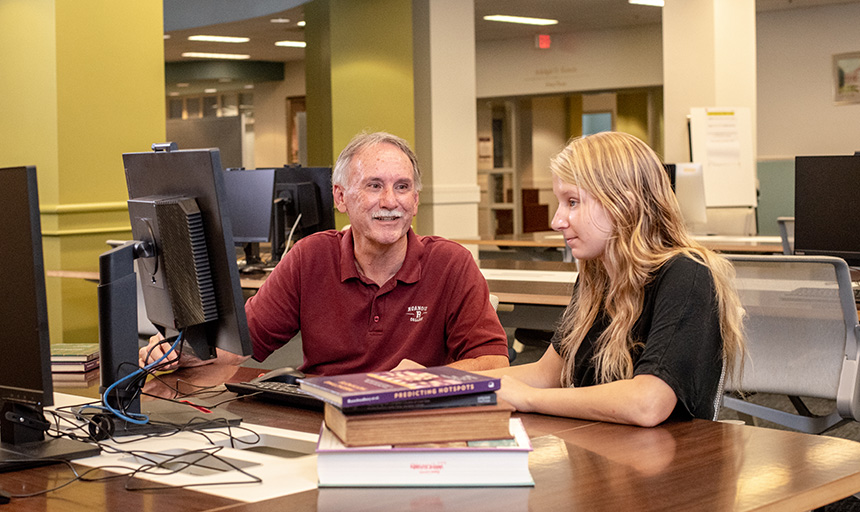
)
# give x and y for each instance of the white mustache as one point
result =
(383, 213)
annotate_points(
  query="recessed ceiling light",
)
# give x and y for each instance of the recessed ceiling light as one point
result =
(167, 36)
(280, 20)
(249, 86)
(173, 94)
(292, 44)
(655, 3)
(520, 19)
(210, 91)
(182, 84)
(229, 56)
(219, 39)
(301, 23)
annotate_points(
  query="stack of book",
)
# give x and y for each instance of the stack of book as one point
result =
(74, 364)
(429, 426)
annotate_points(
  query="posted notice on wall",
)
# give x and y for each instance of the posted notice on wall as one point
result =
(722, 141)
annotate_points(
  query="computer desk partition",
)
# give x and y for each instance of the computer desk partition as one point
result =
(576, 465)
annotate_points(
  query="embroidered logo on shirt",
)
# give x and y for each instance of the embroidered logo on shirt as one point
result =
(416, 313)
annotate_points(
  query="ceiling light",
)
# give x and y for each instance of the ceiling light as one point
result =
(210, 91)
(219, 39)
(655, 3)
(229, 56)
(182, 84)
(520, 19)
(167, 36)
(301, 23)
(173, 94)
(249, 86)
(292, 44)
(280, 20)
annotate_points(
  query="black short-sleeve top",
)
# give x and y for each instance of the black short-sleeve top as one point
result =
(680, 331)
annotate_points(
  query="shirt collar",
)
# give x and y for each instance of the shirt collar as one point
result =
(408, 273)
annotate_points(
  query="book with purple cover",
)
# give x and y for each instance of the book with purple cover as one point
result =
(359, 389)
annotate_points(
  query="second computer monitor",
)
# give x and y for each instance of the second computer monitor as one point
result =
(304, 202)
(827, 206)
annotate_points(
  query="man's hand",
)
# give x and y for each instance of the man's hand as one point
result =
(158, 346)
(408, 364)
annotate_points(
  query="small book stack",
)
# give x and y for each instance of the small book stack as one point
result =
(442, 422)
(74, 364)
(427, 405)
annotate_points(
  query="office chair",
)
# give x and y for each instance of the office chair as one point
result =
(802, 339)
(786, 233)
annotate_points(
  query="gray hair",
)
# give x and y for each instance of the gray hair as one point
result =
(364, 140)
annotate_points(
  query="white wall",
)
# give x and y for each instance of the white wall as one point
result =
(796, 112)
(586, 61)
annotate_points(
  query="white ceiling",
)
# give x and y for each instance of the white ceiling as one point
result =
(573, 16)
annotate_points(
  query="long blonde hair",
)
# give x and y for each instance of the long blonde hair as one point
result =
(627, 178)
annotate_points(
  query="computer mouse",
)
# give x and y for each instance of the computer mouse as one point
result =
(287, 375)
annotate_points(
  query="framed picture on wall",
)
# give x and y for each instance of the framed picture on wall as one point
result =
(846, 77)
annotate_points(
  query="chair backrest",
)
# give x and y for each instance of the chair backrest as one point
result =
(801, 328)
(786, 233)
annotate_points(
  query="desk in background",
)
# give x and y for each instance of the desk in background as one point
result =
(576, 465)
(550, 244)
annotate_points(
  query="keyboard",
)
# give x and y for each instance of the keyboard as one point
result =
(278, 392)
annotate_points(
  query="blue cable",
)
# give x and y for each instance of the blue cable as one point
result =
(136, 418)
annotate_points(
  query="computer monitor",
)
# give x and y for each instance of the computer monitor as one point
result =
(25, 367)
(187, 261)
(303, 203)
(250, 197)
(827, 206)
(688, 182)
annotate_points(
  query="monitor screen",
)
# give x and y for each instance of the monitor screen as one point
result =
(25, 367)
(194, 181)
(689, 185)
(303, 202)
(827, 206)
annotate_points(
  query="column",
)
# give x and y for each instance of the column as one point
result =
(406, 67)
(82, 82)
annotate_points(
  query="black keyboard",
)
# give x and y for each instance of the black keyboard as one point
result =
(279, 392)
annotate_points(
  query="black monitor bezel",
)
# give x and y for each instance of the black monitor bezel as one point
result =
(250, 194)
(25, 308)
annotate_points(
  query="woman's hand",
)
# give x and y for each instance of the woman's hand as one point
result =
(516, 393)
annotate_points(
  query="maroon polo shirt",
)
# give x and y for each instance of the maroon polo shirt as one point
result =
(435, 310)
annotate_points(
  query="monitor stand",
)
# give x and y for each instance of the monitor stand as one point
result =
(118, 346)
(22, 430)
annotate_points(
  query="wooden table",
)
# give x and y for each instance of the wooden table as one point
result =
(576, 465)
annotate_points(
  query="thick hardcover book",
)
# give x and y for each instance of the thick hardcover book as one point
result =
(420, 426)
(427, 403)
(74, 366)
(475, 463)
(74, 352)
(357, 389)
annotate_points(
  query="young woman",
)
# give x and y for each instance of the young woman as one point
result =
(654, 323)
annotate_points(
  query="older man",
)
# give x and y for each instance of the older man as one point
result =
(375, 296)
